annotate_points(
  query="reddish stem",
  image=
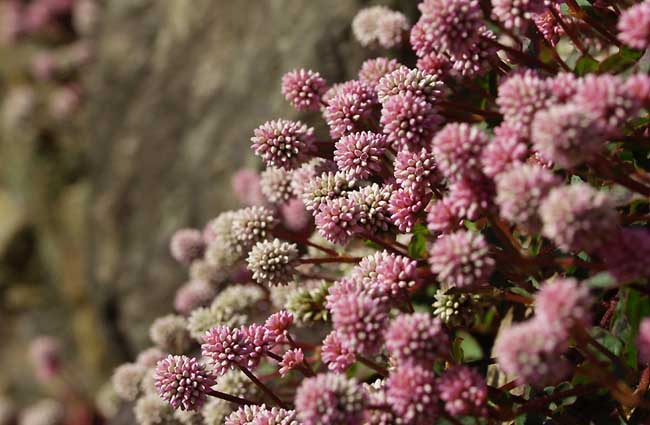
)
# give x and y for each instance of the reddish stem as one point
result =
(263, 387)
(231, 398)
(339, 259)
(373, 365)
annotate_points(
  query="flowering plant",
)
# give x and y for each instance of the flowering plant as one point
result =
(469, 243)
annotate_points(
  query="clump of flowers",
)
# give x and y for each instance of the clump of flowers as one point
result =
(465, 241)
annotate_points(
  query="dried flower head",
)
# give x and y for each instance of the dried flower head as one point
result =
(150, 357)
(203, 319)
(151, 410)
(252, 225)
(457, 310)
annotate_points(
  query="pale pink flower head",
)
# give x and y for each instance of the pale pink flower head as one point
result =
(193, 294)
(441, 217)
(471, 198)
(562, 304)
(634, 26)
(422, 39)
(415, 170)
(395, 274)
(360, 154)
(260, 341)
(477, 60)
(507, 147)
(372, 204)
(333, 353)
(464, 391)
(183, 382)
(627, 255)
(261, 415)
(638, 86)
(520, 192)
(417, 338)
(278, 325)
(304, 89)
(414, 81)
(567, 134)
(404, 207)
(45, 354)
(461, 259)
(302, 177)
(412, 394)
(409, 121)
(150, 357)
(360, 321)
(529, 352)
(454, 25)
(516, 14)
(457, 149)
(337, 220)
(563, 86)
(187, 245)
(606, 98)
(643, 341)
(584, 224)
(434, 63)
(521, 95)
(372, 70)
(347, 111)
(379, 25)
(550, 29)
(328, 399)
(245, 184)
(275, 184)
(283, 143)
(291, 360)
(227, 348)
(294, 215)
(273, 263)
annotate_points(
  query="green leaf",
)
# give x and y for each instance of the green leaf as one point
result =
(418, 243)
(601, 280)
(469, 347)
(373, 245)
(586, 65)
(619, 62)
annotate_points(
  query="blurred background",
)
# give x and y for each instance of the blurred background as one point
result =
(120, 122)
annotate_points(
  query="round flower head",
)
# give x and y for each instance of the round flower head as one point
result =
(638, 87)
(457, 149)
(219, 230)
(150, 357)
(235, 383)
(521, 96)
(516, 14)
(470, 198)
(371, 202)
(294, 215)
(261, 415)
(325, 187)
(464, 391)
(126, 380)
(44, 412)
(477, 60)
(441, 217)
(548, 26)
(562, 304)
(377, 397)
(283, 143)
(530, 353)
(563, 87)
(461, 259)
(627, 256)
(203, 319)
(411, 393)
(245, 184)
(335, 355)
(183, 382)
(567, 134)
(634, 26)
(379, 25)
(434, 63)
(275, 184)
(584, 224)
(414, 81)
(360, 154)
(508, 147)
(409, 121)
(328, 399)
(360, 321)
(404, 206)
(229, 348)
(193, 294)
(302, 176)
(338, 219)
(252, 225)
(395, 273)
(520, 192)
(457, 310)
(304, 89)
(291, 360)
(187, 245)
(417, 338)
(272, 262)
(151, 410)
(278, 325)
(169, 333)
(453, 25)
(606, 98)
(415, 171)
(372, 70)
(643, 341)
(347, 111)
